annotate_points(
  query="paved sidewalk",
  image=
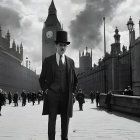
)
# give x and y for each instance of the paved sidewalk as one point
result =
(27, 123)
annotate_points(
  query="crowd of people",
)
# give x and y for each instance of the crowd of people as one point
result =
(25, 97)
(16, 97)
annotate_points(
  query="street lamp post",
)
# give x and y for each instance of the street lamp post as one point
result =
(130, 25)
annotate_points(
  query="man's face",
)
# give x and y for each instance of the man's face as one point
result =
(61, 48)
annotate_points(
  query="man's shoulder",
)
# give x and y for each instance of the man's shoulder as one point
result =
(69, 59)
(49, 57)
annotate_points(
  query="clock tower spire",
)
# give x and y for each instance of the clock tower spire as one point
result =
(51, 25)
(52, 9)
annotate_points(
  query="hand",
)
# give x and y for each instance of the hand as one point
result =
(46, 91)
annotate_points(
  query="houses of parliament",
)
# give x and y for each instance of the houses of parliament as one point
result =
(15, 77)
(117, 70)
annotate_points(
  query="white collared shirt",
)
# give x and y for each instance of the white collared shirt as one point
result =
(58, 57)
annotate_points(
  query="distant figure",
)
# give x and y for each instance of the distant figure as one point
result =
(81, 99)
(92, 96)
(73, 98)
(15, 99)
(2, 100)
(4, 94)
(10, 97)
(125, 92)
(108, 100)
(33, 97)
(28, 96)
(23, 96)
(39, 96)
(97, 96)
(128, 91)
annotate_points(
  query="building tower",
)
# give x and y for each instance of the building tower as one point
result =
(115, 47)
(51, 25)
(85, 60)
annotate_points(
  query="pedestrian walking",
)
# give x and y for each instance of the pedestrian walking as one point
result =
(2, 100)
(81, 99)
(92, 96)
(28, 97)
(58, 81)
(97, 96)
(15, 99)
(23, 96)
(9, 97)
(33, 97)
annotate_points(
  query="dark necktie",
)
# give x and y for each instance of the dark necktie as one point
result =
(60, 61)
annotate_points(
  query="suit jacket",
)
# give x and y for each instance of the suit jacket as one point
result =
(47, 77)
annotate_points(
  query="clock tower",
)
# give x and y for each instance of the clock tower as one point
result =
(51, 25)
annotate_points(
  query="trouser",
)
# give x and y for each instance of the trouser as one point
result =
(80, 106)
(57, 103)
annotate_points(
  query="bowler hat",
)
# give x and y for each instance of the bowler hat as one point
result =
(61, 37)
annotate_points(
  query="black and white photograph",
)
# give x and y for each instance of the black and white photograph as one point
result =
(69, 69)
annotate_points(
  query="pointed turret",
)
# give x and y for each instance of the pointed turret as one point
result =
(83, 53)
(8, 35)
(52, 9)
(14, 45)
(27, 62)
(91, 52)
(117, 36)
(21, 51)
(17, 48)
(115, 47)
(8, 38)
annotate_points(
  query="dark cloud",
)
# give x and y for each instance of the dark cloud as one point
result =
(9, 18)
(85, 29)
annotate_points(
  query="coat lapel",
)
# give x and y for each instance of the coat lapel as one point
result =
(54, 64)
(68, 70)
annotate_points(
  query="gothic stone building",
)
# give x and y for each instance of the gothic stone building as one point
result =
(14, 76)
(117, 70)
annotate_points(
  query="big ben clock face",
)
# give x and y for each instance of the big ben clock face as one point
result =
(49, 34)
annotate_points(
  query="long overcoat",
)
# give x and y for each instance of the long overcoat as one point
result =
(47, 77)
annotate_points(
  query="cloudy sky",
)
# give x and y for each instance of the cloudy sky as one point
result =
(83, 19)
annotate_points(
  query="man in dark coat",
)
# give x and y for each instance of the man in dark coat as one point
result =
(58, 81)
(10, 97)
(2, 100)
(92, 96)
(97, 96)
(15, 99)
(23, 96)
(81, 99)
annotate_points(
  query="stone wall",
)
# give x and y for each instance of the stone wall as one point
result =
(123, 103)
(15, 77)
